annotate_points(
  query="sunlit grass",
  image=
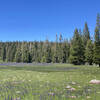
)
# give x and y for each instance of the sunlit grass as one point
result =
(53, 82)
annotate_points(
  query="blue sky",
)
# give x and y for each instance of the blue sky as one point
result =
(40, 19)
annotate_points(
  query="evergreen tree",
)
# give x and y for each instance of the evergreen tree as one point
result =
(18, 55)
(11, 52)
(60, 51)
(89, 52)
(35, 52)
(97, 47)
(86, 34)
(98, 22)
(40, 51)
(3, 52)
(55, 54)
(65, 51)
(77, 49)
(25, 53)
(48, 56)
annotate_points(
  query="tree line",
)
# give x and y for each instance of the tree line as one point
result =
(80, 49)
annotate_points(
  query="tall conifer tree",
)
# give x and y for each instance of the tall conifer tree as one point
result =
(86, 34)
(89, 52)
(77, 50)
(97, 47)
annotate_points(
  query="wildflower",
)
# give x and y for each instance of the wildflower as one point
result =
(18, 92)
(17, 99)
(68, 87)
(88, 97)
(79, 86)
(73, 97)
(51, 93)
(73, 83)
(72, 89)
(29, 80)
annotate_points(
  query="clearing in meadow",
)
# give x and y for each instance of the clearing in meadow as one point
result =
(48, 82)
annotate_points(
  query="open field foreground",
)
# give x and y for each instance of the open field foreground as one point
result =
(49, 82)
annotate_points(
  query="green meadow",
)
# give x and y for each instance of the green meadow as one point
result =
(49, 82)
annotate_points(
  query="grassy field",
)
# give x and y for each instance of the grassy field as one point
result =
(49, 82)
